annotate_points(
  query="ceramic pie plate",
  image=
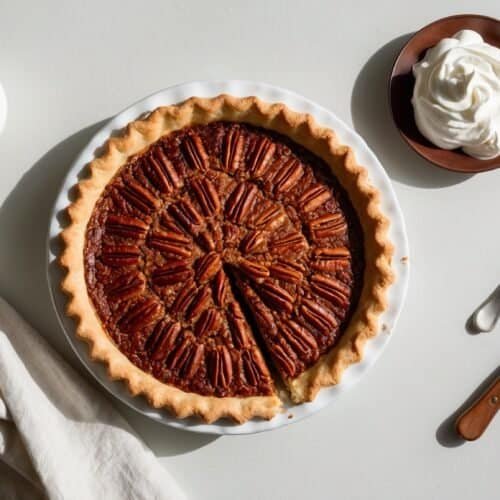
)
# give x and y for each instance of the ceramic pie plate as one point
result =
(364, 156)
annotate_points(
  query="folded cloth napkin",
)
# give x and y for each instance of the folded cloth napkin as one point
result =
(59, 437)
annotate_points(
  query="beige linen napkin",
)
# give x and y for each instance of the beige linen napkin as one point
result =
(59, 437)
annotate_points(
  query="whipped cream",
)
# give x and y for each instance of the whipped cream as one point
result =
(456, 98)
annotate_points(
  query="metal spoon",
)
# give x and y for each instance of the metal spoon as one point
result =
(485, 317)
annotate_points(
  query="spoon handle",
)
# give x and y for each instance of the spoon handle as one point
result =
(473, 422)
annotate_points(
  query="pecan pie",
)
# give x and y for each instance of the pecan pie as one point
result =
(222, 245)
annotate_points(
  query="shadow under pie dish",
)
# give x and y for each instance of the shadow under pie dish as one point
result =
(222, 244)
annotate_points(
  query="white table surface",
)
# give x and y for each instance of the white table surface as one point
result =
(67, 66)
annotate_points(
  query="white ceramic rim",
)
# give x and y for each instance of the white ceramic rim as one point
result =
(365, 157)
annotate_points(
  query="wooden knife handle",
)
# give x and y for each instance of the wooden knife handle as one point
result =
(473, 422)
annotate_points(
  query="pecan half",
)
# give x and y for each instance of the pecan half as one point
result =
(168, 223)
(173, 271)
(261, 154)
(199, 303)
(330, 259)
(206, 241)
(186, 358)
(285, 271)
(240, 202)
(140, 315)
(261, 313)
(291, 242)
(238, 325)
(208, 323)
(187, 216)
(318, 316)
(314, 197)
(253, 270)
(276, 296)
(327, 226)
(183, 299)
(195, 153)
(283, 175)
(206, 195)
(300, 340)
(220, 367)
(233, 150)
(120, 255)
(126, 227)
(163, 173)
(254, 368)
(169, 242)
(140, 197)
(270, 217)
(194, 361)
(254, 242)
(331, 289)
(207, 266)
(220, 288)
(162, 340)
(286, 358)
(126, 286)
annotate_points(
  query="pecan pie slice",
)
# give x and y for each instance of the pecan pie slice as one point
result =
(222, 245)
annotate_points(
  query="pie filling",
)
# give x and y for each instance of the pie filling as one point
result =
(220, 251)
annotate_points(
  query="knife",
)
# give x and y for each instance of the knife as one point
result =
(473, 422)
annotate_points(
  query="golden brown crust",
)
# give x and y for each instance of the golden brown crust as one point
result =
(302, 129)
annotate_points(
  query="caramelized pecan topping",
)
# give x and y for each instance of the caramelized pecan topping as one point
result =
(173, 221)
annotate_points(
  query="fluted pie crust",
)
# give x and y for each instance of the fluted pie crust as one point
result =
(301, 129)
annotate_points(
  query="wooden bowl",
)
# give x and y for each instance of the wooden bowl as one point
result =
(401, 85)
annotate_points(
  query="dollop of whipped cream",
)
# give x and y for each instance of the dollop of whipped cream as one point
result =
(456, 98)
